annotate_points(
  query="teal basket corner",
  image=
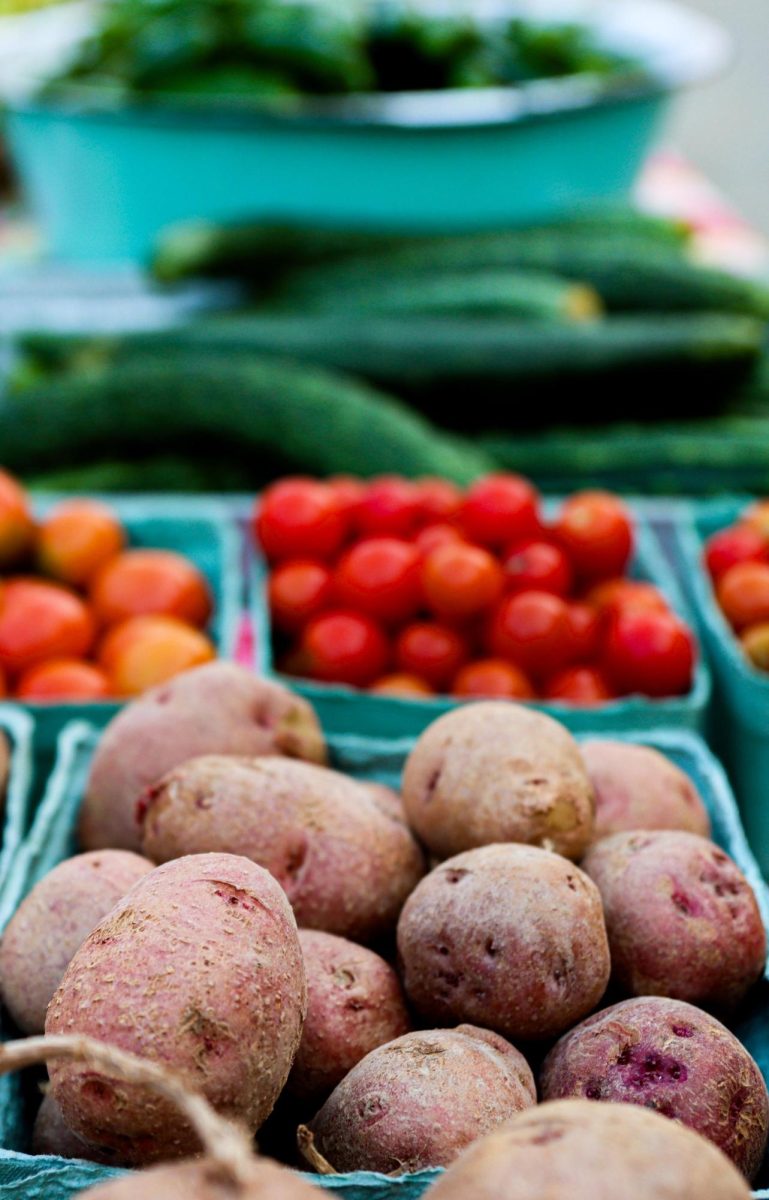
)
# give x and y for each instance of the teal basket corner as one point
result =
(19, 729)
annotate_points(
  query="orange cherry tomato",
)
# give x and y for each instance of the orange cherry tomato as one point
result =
(493, 677)
(580, 685)
(76, 539)
(743, 593)
(40, 620)
(755, 643)
(144, 651)
(17, 528)
(757, 516)
(63, 679)
(401, 685)
(142, 583)
(461, 581)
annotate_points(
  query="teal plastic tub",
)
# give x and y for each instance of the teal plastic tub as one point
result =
(740, 719)
(342, 708)
(52, 838)
(104, 181)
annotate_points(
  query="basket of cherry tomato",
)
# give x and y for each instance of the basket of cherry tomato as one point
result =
(419, 591)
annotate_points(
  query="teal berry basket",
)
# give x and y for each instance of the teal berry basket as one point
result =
(18, 728)
(103, 179)
(203, 531)
(740, 718)
(342, 709)
(52, 838)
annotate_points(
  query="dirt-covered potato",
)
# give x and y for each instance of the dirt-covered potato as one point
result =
(508, 937)
(219, 708)
(420, 1100)
(636, 787)
(577, 1150)
(681, 917)
(53, 921)
(203, 1181)
(345, 863)
(52, 1135)
(498, 772)
(354, 1004)
(199, 967)
(672, 1057)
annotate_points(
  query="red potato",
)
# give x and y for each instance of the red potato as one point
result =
(578, 1150)
(219, 708)
(509, 937)
(354, 1004)
(199, 967)
(421, 1099)
(672, 1057)
(52, 1135)
(636, 787)
(204, 1181)
(346, 861)
(682, 919)
(52, 923)
(498, 772)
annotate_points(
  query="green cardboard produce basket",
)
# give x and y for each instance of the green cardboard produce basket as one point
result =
(740, 725)
(18, 728)
(342, 708)
(52, 838)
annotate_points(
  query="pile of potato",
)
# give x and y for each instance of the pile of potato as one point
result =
(391, 982)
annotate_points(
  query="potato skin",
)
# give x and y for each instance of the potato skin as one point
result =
(672, 1057)
(354, 1004)
(53, 921)
(195, 1181)
(198, 967)
(636, 787)
(681, 917)
(219, 708)
(578, 1150)
(419, 1100)
(52, 1135)
(345, 863)
(508, 937)
(498, 772)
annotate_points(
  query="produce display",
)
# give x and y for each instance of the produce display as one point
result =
(83, 616)
(737, 560)
(413, 588)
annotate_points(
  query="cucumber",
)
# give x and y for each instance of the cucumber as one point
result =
(321, 421)
(156, 473)
(491, 293)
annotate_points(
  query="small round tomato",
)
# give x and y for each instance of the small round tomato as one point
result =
(493, 677)
(755, 643)
(300, 518)
(649, 652)
(757, 516)
(500, 509)
(739, 544)
(17, 528)
(345, 647)
(433, 536)
(461, 581)
(596, 531)
(431, 651)
(401, 685)
(537, 566)
(618, 595)
(297, 591)
(579, 685)
(142, 583)
(40, 620)
(389, 508)
(348, 492)
(743, 593)
(532, 629)
(380, 577)
(144, 651)
(437, 499)
(76, 539)
(63, 679)
(584, 625)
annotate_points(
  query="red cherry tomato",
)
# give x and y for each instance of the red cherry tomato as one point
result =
(532, 630)
(381, 577)
(537, 566)
(579, 685)
(389, 508)
(433, 536)
(617, 595)
(596, 531)
(298, 590)
(649, 652)
(344, 647)
(743, 593)
(500, 509)
(299, 518)
(431, 651)
(65, 679)
(349, 493)
(437, 500)
(493, 677)
(40, 620)
(584, 625)
(741, 543)
(401, 685)
(460, 581)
